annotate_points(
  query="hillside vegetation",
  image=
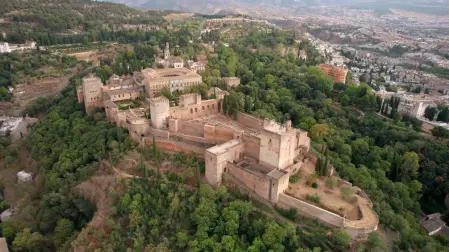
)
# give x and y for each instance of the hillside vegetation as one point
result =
(68, 16)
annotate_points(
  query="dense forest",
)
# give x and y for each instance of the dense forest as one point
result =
(397, 167)
(62, 15)
(71, 21)
(68, 145)
(162, 214)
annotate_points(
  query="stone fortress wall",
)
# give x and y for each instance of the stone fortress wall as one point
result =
(261, 154)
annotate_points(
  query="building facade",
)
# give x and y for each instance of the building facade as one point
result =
(172, 79)
(95, 95)
(337, 73)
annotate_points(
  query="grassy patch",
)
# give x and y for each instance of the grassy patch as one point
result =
(313, 198)
(127, 104)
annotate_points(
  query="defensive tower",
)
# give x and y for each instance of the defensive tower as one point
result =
(159, 109)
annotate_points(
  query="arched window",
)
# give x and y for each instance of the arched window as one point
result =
(203, 107)
(196, 110)
(191, 111)
(208, 107)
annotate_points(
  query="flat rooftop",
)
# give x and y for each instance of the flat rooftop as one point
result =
(223, 121)
(123, 91)
(219, 149)
(168, 73)
(277, 174)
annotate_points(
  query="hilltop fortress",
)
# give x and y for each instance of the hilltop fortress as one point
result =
(259, 154)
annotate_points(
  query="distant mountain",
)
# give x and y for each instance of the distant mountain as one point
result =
(215, 6)
(197, 6)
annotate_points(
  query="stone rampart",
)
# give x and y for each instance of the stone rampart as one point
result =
(361, 228)
(195, 139)
(175, 146)
(159, 133)
(249, 120)
(307, 209)
(257, 182)
(190, 128)
(223, 134)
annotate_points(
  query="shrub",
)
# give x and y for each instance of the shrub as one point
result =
(353, 199)
(314, 198)
(346, 192)
(3, 206)
(311, 179)
(315, 185)
(295, 178)
(289, 214)
(331, 183)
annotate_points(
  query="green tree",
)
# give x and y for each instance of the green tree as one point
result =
(182, 240)
(319, 130)
(443, 115)
(27, 241)
(440, 131)
(409, 167)
(341, 239)
(375, 241)
(157, 156)
(248, 104)
(63, 231)
(345, 100)
(430, 113)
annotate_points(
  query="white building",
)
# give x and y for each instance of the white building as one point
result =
(415, 106)
(195, 66)
(23, 176)
(7, 48)
(4, 47)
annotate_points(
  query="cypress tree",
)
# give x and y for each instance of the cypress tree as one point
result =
(318, 166)
(157, 156)
(197, 176)
(247, 104)
(326, 164)
(225, 105)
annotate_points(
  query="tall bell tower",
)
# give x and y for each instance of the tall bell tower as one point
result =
(167, 51)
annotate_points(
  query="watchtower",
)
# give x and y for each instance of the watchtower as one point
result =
(159, 109)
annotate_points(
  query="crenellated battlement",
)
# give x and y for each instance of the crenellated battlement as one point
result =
(158, 100)
(187, 95)
(189, 99)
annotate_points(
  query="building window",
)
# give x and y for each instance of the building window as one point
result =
(203, 107)
(208, 107)
(213, 106)
(196, 110)
(191, 111)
